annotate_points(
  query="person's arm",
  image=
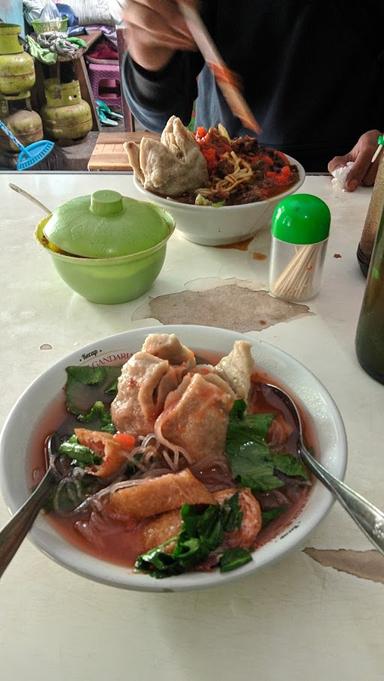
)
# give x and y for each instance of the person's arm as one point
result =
(154, 96)
(160, 68)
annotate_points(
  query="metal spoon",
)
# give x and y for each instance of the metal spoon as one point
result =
(18, 527)
(369, 518)
(30, 197)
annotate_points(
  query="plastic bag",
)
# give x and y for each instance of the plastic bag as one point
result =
(91, 12)
(66, 10)
(117, 7)
(40, 10)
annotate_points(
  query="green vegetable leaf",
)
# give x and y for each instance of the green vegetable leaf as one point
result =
(256, 425)
(234, 558)
(158, 563)
(259, 424)
(238, 410)
(201, 200)
(100, 416)
(289, 465)
(252, 466)
(268, 516)
(231, 513)
(81, 455)
(251, 459)
(86, 375)
(86, 385)
(198, 537)
(111, 389)
(202, 532)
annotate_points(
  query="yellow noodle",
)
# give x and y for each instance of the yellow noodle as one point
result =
(241, 173)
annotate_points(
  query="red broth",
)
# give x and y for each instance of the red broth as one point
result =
(116, 541)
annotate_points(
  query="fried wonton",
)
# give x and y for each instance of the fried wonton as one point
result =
(172, 166)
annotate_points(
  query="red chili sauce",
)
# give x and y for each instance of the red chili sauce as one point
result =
(271, 172)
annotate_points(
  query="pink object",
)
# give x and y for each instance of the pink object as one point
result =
(105, 82)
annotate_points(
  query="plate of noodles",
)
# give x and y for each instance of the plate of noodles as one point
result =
(180, 469)
(219, 190)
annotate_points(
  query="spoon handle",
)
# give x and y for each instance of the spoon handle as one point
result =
(29, 196)
(14, 532)
(369, 518)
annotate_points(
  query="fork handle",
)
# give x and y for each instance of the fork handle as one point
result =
(16, 529)
(369, 518)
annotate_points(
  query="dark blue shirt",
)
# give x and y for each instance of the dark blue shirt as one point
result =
(312, 72)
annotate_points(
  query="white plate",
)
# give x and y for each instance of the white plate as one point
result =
(30, 407)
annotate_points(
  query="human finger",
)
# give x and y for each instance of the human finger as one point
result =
(370, 175)
(339, 161)
(160, 18)
(135, 35)
(359, 169)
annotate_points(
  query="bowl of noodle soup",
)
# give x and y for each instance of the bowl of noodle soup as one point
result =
(39, 411)
(218, 226)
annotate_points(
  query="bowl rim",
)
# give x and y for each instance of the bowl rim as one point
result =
(86, 565)
(114, 260)
(169, 201)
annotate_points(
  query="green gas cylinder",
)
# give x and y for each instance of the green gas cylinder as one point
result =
(17, 68)
(65, 115)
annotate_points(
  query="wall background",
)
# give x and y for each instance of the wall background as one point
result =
(11, 12)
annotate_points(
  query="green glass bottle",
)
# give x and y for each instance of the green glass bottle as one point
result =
(370, 328)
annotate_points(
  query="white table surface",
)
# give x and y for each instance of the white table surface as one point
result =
(296, 620)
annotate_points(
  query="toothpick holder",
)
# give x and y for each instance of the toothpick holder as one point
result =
(300, 229)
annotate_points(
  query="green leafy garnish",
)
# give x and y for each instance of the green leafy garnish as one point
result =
(85, 384)
(201, 200)
(252, 461)
(253, 467)
(259, 424)
(86, 375)
(289, 465)
(247, 449)
(231, 513)
(202, 532)
(82, 456)
(234, 558)
(99, 416)
(271, 514)
(111, 389)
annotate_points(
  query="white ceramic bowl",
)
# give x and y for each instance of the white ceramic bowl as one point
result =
(28, 412)
(211, 226)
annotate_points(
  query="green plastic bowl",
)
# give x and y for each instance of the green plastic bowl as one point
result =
(109, 280)
(59, 24)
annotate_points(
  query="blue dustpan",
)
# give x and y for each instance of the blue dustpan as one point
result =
(32, 154)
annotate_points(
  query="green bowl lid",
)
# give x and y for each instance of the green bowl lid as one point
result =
(106, 225)
(301, 219)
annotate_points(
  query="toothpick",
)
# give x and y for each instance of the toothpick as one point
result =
(380, 143)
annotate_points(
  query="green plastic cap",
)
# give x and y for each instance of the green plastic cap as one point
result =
(301, 219)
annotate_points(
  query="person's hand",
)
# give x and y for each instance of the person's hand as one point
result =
(154, 30)
(363, 171)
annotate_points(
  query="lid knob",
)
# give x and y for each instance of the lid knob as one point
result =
(301, 219)
(106, 203)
